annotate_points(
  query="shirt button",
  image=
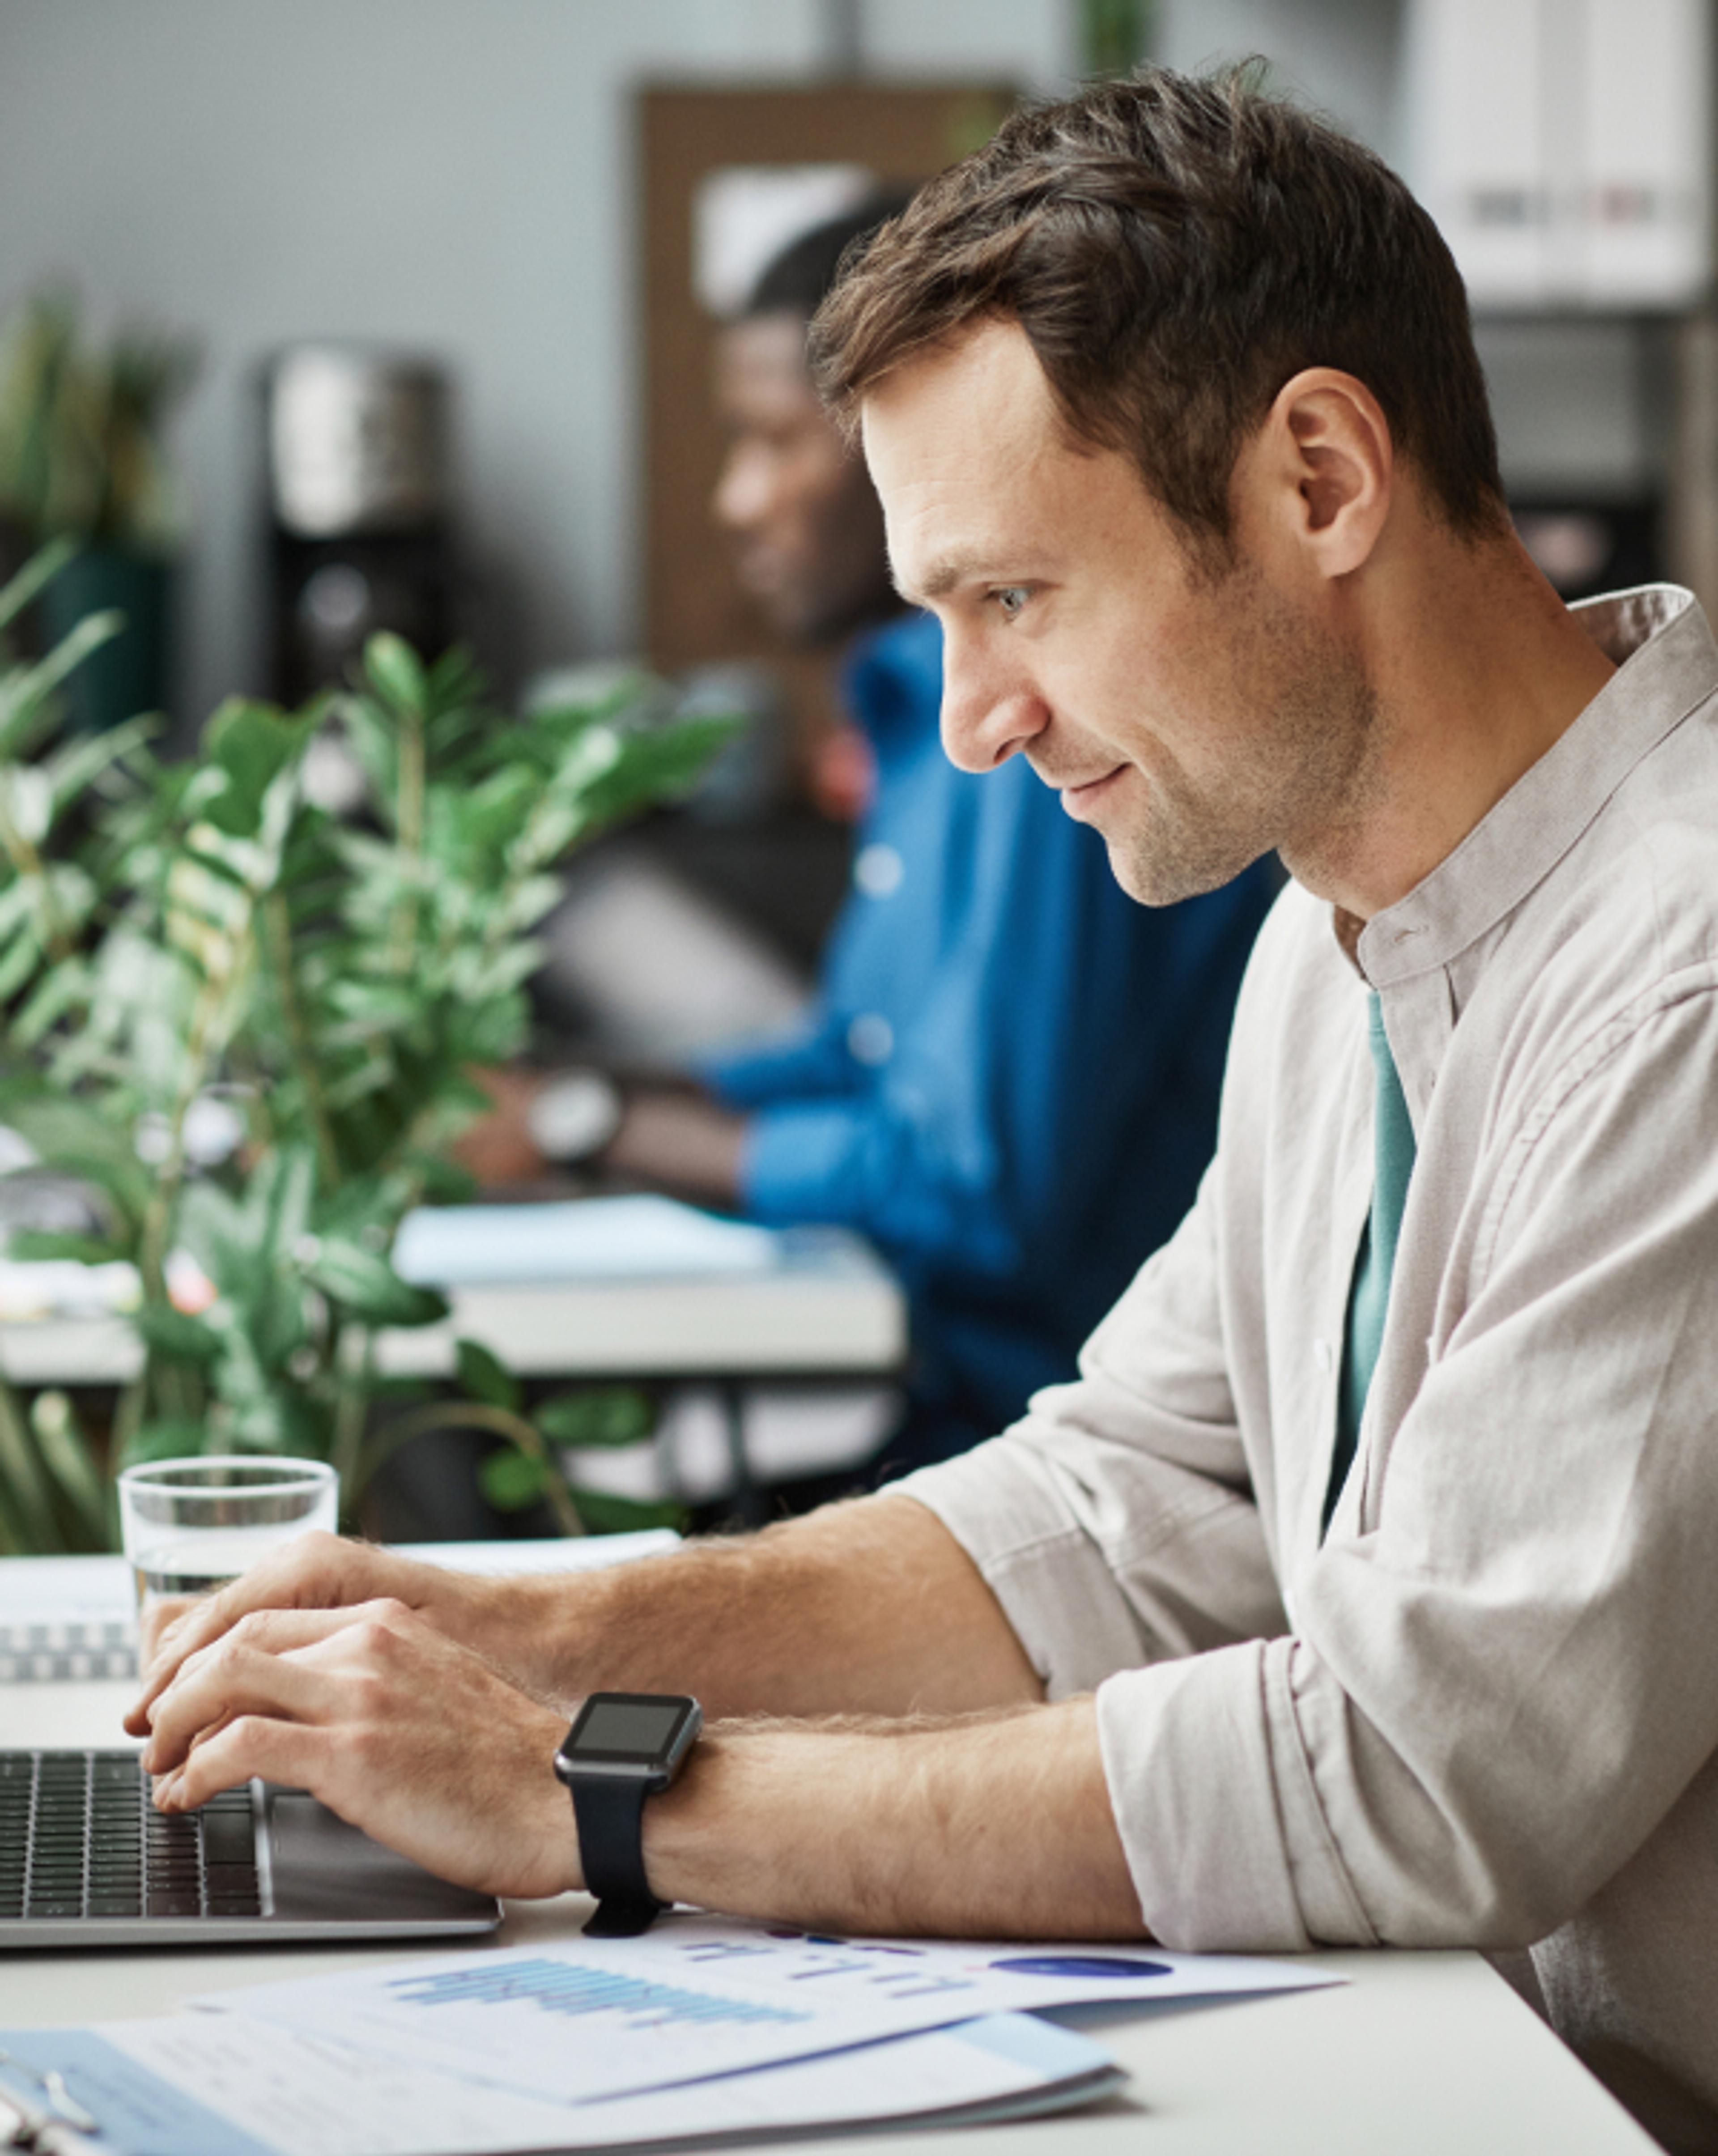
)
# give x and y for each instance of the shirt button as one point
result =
(877, 871)
(871, 1038)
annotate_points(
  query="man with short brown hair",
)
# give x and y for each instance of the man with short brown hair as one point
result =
(1360, 1589)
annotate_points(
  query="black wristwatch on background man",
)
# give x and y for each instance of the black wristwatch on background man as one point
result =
(625, 1746)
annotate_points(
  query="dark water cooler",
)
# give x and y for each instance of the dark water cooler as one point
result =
(359, 540)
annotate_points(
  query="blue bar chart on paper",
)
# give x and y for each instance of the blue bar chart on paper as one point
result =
(566, 1988)
(701, 1995)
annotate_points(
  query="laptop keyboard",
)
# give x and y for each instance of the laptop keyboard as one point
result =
(79, 1837)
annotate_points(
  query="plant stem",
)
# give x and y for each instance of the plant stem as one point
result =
(28, 866)
(408, 837)
(24, 1479)
(474, 1414)
(277, 924)
(355, 1376)
(128, 1418)
(173, 1390)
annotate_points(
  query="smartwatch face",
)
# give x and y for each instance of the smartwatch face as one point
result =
(630, 1729)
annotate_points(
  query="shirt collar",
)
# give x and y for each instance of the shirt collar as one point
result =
(1667, 665)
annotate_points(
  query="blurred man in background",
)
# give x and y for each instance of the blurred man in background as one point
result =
(1009, 1076)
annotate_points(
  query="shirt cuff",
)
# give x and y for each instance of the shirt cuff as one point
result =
(1204, 1758)
(795, 1164)
(1000, 1504)
(1215, 1804)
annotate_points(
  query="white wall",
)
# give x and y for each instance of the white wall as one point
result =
(450, 175)
(1341, 55)
(1574, 399)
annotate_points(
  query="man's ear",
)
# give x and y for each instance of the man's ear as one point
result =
(1326, 465)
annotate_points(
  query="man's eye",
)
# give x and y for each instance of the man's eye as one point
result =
(1010, 599)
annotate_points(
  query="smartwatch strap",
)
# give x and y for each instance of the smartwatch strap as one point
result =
(609, 1811)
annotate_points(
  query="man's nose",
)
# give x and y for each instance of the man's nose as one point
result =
(743, 489)
(987, 714)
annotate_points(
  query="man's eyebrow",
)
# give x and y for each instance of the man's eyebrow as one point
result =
(942, 577)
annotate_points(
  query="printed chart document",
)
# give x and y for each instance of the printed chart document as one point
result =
(581, 1239)
(220, 2085)
(700, 1995)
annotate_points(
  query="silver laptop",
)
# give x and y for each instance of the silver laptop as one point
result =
(85, 1860)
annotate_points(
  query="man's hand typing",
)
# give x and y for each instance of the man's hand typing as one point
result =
(401, 1731)
(321, 1573)
(909, 1777)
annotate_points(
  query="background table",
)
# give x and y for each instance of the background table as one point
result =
(830, 1315)
(830, 1306)
(1417, 2055)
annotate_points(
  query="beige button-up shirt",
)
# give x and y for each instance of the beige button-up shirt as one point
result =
(1484, 1710)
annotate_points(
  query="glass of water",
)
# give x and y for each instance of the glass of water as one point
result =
(189, 1525)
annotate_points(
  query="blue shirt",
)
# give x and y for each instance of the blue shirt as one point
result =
(1008, 1078)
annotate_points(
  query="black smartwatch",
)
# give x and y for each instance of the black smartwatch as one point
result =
(625, 1747)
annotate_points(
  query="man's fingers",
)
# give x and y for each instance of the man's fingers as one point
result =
(159, 1616)
(228, 1681)
(315, 1571)
(290, 1753)
(270, 1658)
(279, 1631)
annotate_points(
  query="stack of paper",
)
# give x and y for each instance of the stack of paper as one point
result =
(583, 1238)
(706, 2028)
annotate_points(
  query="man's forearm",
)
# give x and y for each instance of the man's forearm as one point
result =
(866, 1608)
(996, 1827)
(681, 1141)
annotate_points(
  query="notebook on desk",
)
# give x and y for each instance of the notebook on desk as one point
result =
(85, 1860)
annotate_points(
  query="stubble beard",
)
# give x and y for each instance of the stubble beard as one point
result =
(1297, 779)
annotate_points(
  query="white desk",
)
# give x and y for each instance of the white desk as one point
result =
(1419, 2054)
(831, 1307)
(831, 1314)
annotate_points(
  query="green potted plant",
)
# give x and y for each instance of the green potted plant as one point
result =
(81, 457)
(176, 934)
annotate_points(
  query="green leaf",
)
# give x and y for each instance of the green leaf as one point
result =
(23, 691)
(277, 1200)
(282, 1421)
(213, 1229)
(53, 997)
(446, 1183)
(656, 765)
(512, 1479)
(73, 769)
(368, 1287)
(66, 1454)
(20, 964)
(599, 1415)
(482, 1376)
(37, 1246)
(394, 672)
(455, 680)
(372, 742)
(29, 1492)
(175, 1336)
(167, 1437)
(250, 745)
(35, 576)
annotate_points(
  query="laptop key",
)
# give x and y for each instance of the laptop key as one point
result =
(175, 1904)
(229, 1838)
